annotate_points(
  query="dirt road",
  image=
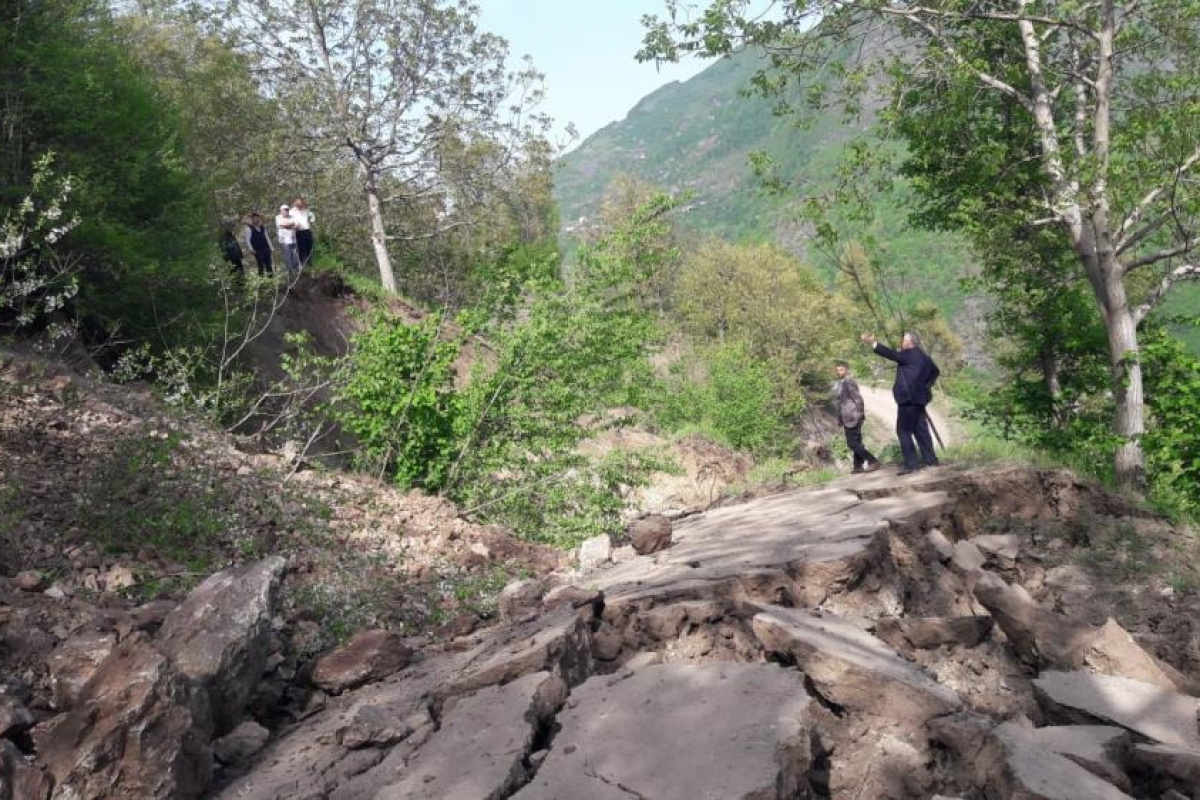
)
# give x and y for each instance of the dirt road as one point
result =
(882, 408)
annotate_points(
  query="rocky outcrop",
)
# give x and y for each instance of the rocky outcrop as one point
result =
(220, 636)
(139, 730)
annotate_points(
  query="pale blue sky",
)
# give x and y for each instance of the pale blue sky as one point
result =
(586, 50)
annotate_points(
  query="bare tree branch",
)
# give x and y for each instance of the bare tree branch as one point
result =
(1187, 272)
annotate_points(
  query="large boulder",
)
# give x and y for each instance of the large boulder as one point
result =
(220, 636)
(138, 731)
(369, 656)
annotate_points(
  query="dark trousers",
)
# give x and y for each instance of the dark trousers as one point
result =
(854, 441)
(263, 257)
(911, 423)
(304, 245)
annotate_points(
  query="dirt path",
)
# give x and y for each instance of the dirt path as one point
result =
(882, 407)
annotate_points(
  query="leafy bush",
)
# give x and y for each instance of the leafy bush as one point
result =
(504, 445)
(735, 401)
(397, 397)
(1172, 440)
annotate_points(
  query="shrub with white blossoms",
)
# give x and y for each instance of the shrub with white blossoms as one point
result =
(35, 281)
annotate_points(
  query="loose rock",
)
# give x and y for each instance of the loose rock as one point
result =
(520, 601)
(1155, 713)
(241, 743)
(30, 581)
(595, 552)
(650, 534)
(369, 656)
(931, 632)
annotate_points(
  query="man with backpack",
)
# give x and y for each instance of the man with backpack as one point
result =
(913, 390)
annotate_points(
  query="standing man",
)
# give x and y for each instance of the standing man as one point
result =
(851, 414)
(913, 390)
(304, 236)
(285, 230)
(259, 243)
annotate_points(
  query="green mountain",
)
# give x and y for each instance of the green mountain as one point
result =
(698, 135)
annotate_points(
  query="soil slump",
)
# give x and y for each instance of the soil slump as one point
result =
(843, 642)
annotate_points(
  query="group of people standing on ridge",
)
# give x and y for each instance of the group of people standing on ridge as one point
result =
(916, 373)
(293, 233)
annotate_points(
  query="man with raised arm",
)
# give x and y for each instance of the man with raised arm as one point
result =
(913, 390)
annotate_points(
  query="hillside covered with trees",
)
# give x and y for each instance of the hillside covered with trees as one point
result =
(480, 469)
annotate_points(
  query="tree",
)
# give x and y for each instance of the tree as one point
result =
(1104, 91)
(69, 87)
(763, 297)
(410, 91)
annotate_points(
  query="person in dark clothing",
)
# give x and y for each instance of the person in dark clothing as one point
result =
(913, 390)
(231, 249)
(851, 414)
(260, 244)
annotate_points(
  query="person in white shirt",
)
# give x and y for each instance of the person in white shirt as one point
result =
(260, 243)
(285, 228)
(304, 235)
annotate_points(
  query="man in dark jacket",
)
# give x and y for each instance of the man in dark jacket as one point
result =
(913, 390)
(851, 413)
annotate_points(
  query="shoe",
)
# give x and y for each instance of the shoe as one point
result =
(874, 465)
(857, 470)
(908, 470)
(934, 463)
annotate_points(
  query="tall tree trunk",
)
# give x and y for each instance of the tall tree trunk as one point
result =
(1129, 424)
(378, 233)
(1050, 377)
